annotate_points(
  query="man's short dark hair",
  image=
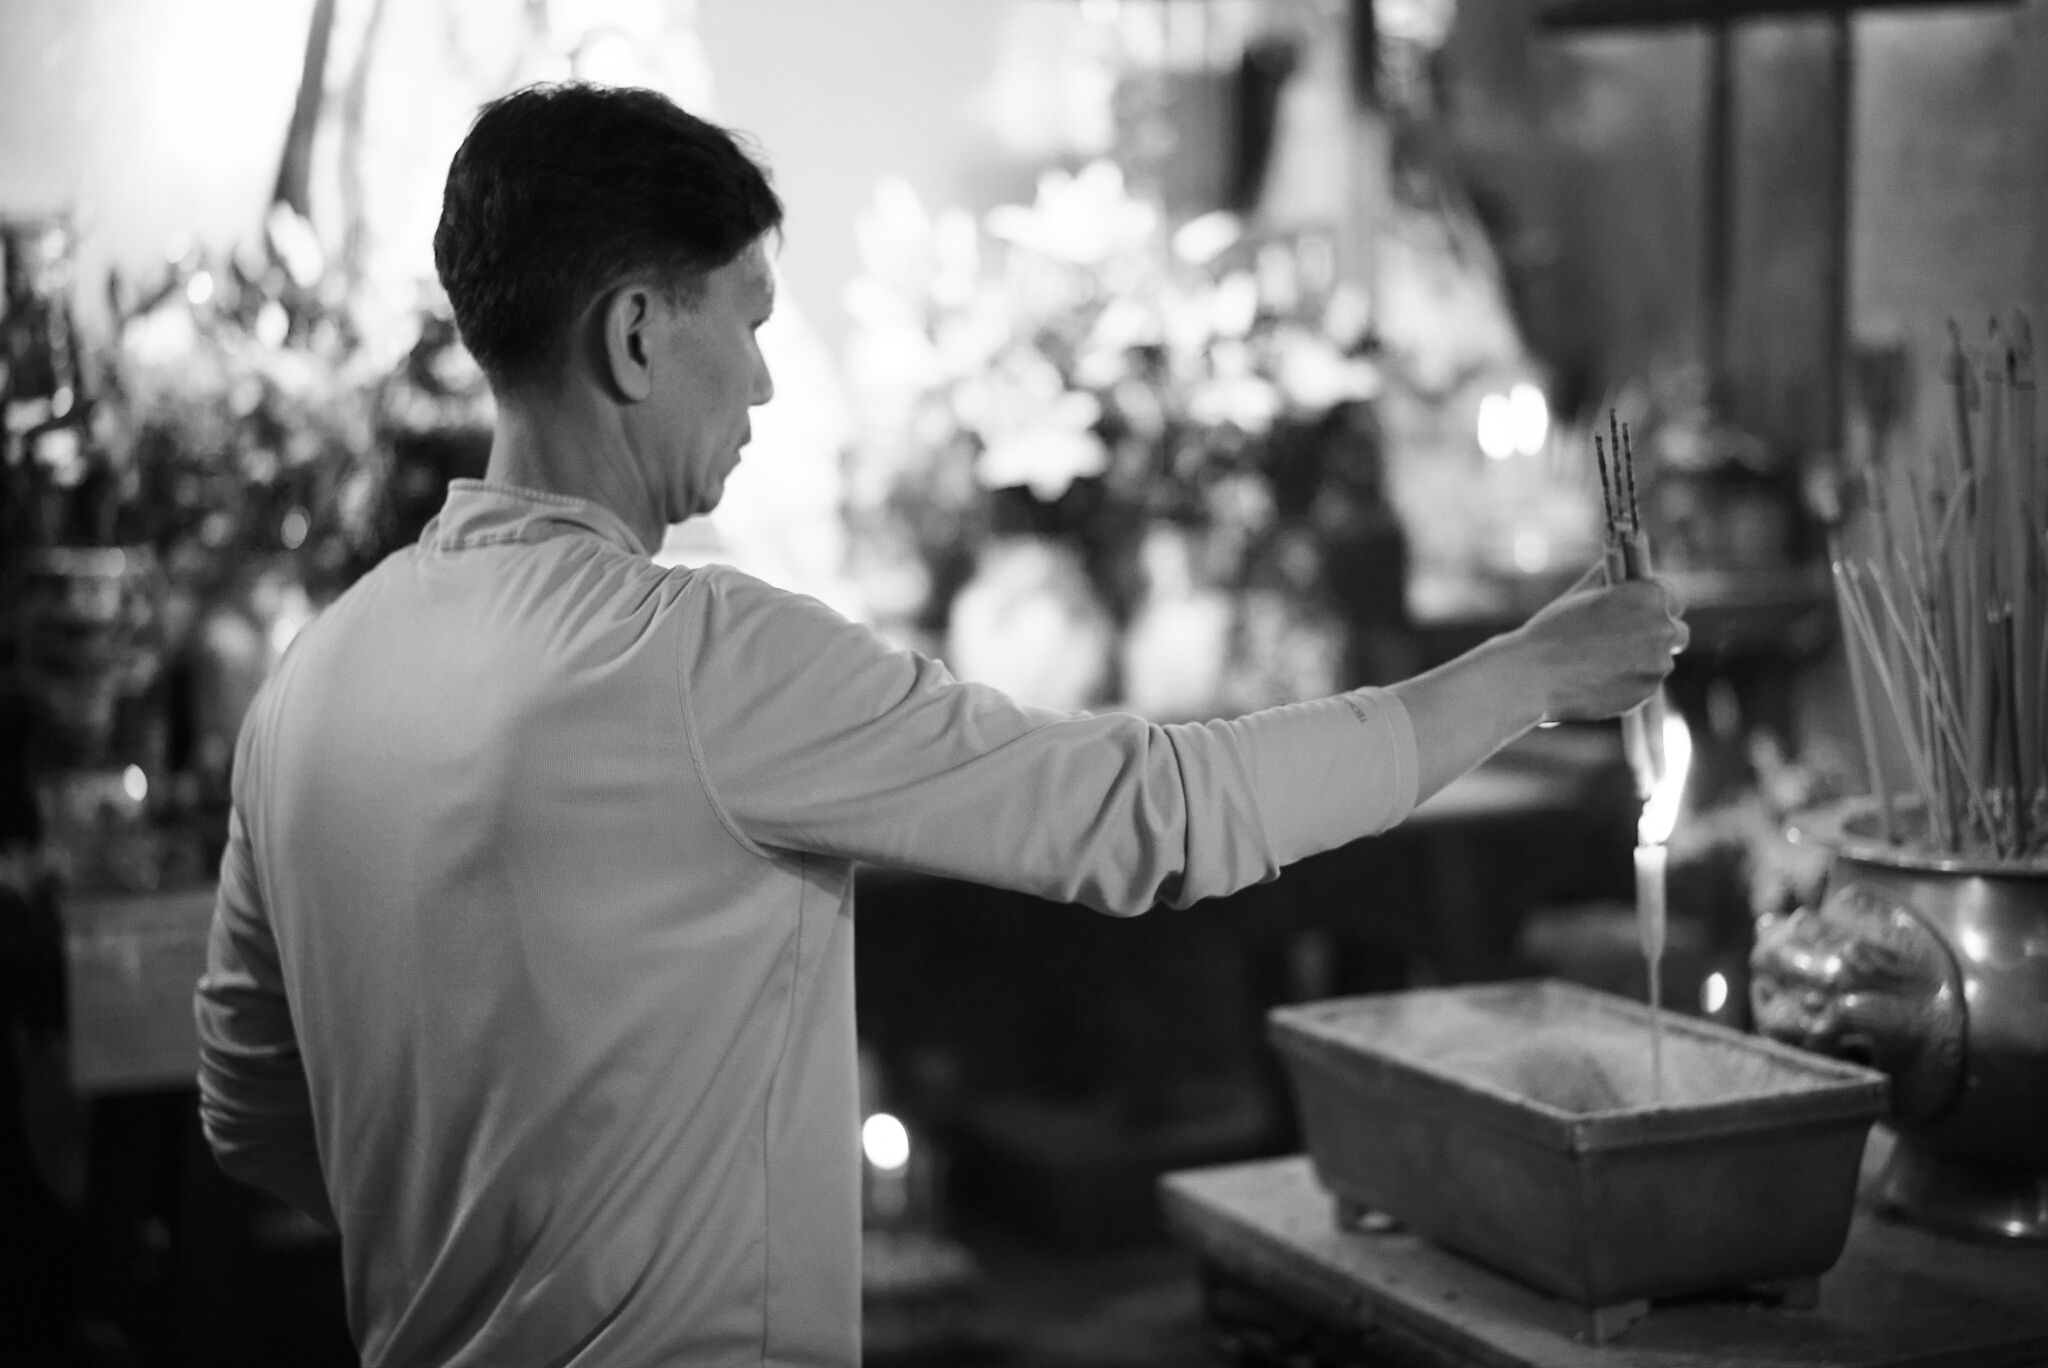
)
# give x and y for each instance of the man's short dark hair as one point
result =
(561, 191)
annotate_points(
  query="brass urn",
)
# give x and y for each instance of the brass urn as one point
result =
(1933, 969)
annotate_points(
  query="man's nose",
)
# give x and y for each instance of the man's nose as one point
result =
(764, 383)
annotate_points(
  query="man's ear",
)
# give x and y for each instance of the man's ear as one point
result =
(627, 322)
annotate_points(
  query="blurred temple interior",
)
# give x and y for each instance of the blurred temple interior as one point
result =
(1183, 357)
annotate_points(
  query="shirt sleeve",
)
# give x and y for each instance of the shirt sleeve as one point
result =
(814, 734)
(254, 1101)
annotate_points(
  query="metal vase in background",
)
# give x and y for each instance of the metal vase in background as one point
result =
(1935, 970)
(91, 650)
(91, 658)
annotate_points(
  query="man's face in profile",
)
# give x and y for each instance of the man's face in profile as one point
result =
(709, 374)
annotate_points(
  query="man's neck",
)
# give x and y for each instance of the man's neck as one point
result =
(565, 447)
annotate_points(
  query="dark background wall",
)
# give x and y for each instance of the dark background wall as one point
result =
(1589, 150)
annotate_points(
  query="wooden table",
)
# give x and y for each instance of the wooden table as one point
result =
(1284, 1285)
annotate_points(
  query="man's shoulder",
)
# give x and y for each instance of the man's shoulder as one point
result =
(726, 590)
(775, 627)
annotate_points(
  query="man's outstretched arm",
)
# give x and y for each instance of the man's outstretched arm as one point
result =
(834, 743)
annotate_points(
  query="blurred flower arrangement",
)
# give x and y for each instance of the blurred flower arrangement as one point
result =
(247, 427)
(233, 455)
(1105, 461)
(267, 452)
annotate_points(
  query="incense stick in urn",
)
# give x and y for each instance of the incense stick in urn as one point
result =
(1947, 623)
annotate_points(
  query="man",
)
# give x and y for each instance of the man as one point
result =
(531, 973)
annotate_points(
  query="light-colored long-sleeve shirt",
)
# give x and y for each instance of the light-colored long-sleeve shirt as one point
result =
(533, 956)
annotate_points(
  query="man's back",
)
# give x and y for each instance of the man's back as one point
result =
(534, 947)
(545, 996)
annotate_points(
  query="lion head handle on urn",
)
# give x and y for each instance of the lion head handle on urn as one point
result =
(1866, 980)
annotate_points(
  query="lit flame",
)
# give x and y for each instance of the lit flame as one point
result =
(885, 1142)
(1660, 813)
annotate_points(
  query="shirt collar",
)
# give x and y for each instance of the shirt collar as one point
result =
(480, 513)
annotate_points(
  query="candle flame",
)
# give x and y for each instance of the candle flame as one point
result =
(1660, 812)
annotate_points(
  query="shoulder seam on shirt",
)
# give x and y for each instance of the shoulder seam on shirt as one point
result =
(255, 773)
(694, 584)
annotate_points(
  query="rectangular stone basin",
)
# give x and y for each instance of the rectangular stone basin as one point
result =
(1515, 1123)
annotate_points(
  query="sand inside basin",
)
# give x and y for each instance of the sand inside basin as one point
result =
(1577, 1062)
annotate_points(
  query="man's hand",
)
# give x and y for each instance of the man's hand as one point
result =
(1595, 652)
(1592, 653)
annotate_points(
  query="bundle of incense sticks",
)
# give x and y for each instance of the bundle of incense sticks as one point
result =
(1946, 612)
(1627, 554)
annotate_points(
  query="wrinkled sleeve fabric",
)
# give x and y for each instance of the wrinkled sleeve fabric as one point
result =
(253, 1097)
(813, 734)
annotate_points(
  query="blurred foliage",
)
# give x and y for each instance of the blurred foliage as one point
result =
(1070, 369)
(244, 423)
